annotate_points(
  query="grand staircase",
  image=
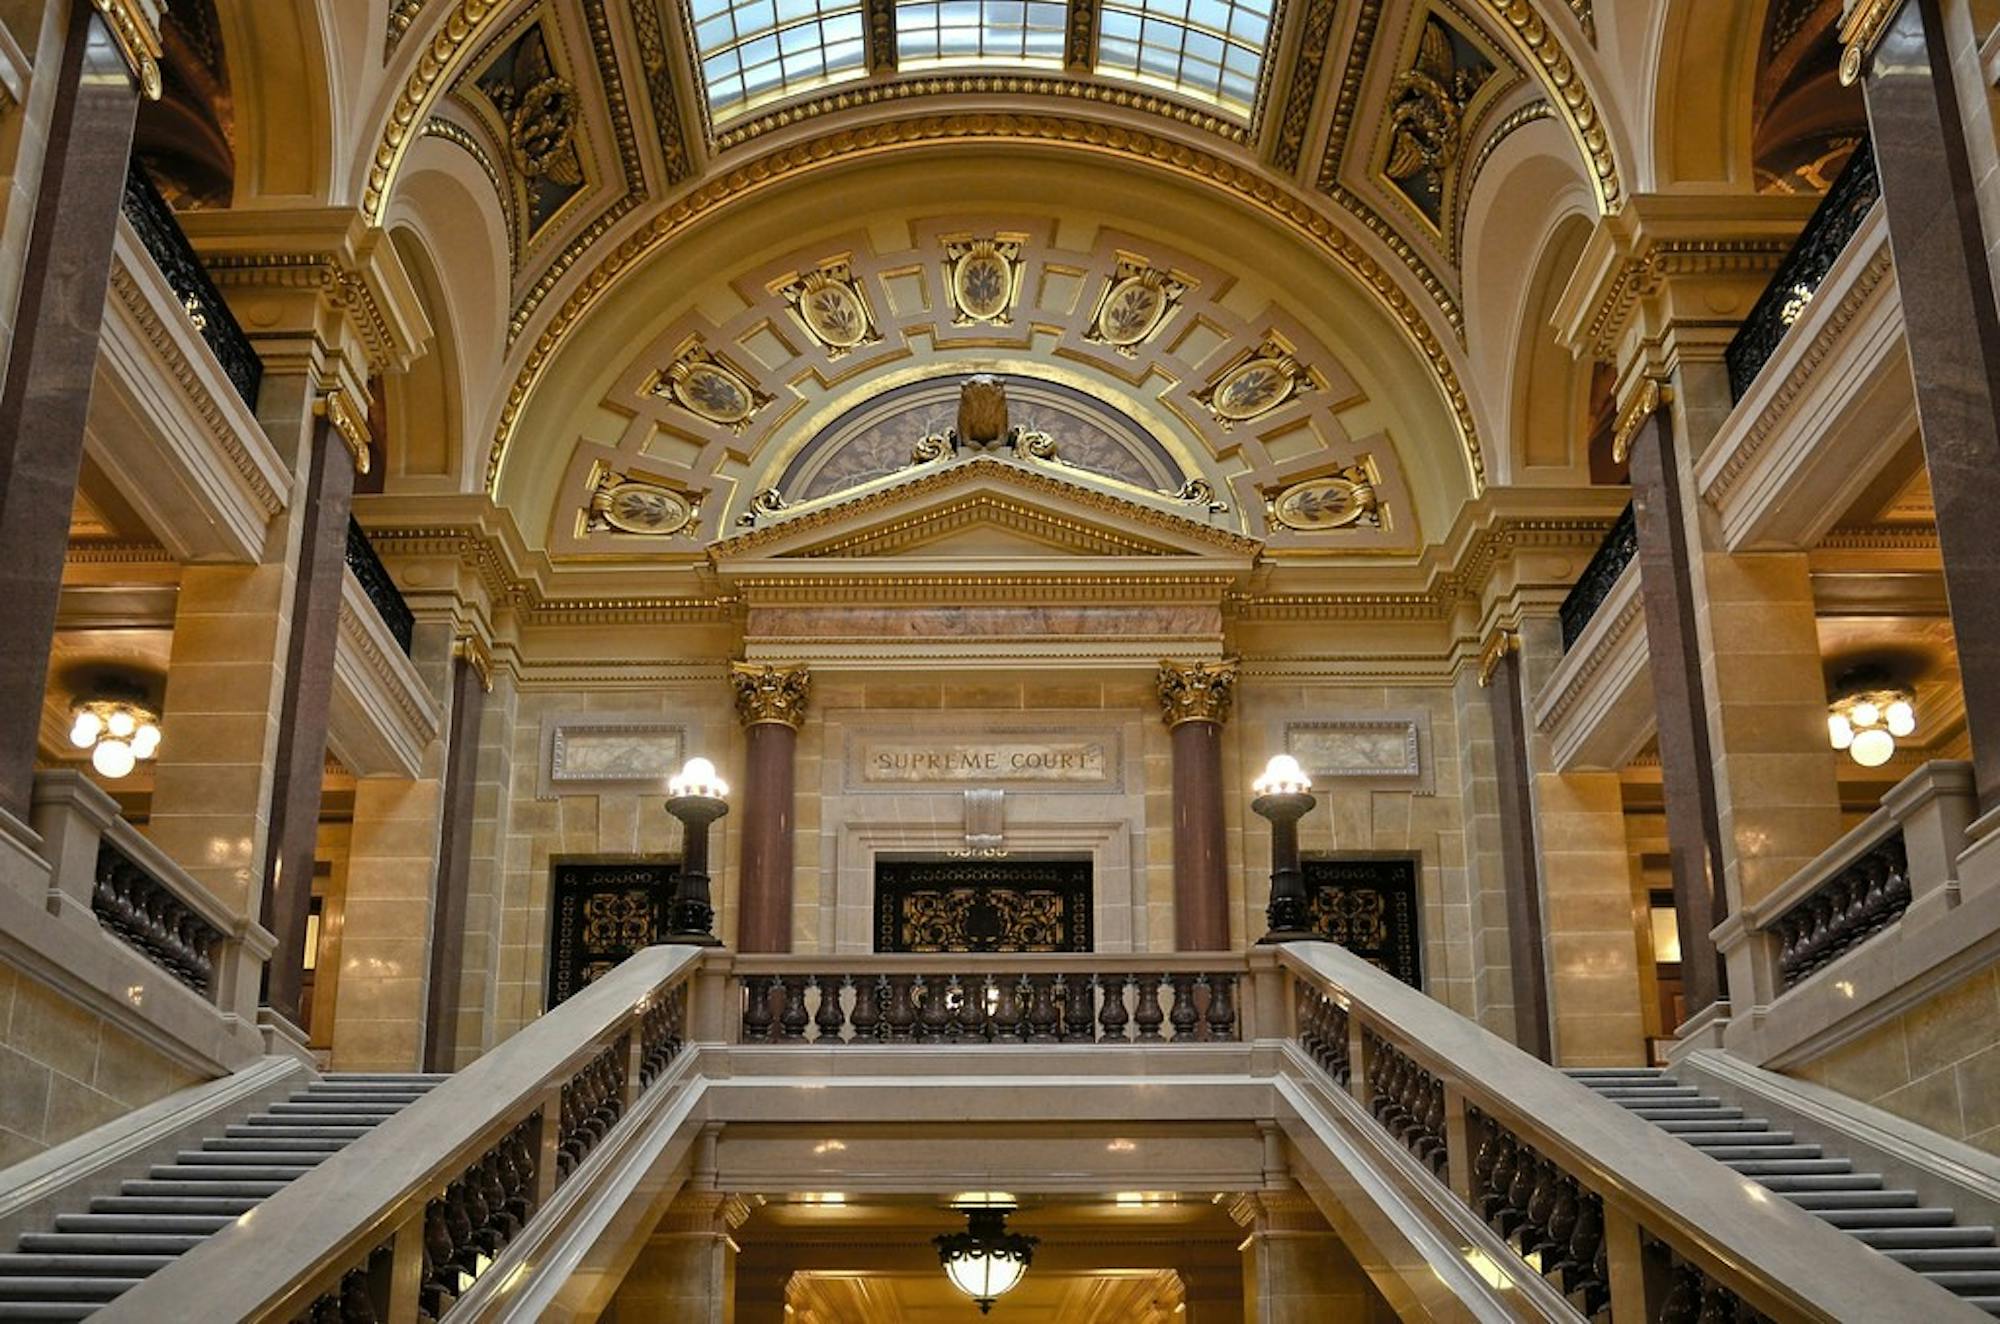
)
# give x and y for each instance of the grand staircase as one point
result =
(91, 1258)
(1928, 1239)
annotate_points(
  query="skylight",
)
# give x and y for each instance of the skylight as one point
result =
(1212, 49)
(1018, 32)
(753, 51)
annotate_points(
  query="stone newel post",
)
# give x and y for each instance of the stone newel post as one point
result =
(1195, 698)
(771, 703)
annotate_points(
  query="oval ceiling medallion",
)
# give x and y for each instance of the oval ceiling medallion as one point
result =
(1319, 504)
(711, 391)
(646, 508)
(833, 312)
(1132, 310)
(1252, 388)
(982, 281)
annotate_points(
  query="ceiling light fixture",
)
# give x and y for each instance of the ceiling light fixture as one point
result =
(1869, 716)
(118, 730)
(985, 1261)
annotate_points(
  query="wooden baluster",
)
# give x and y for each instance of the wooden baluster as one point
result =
(1221, 1008)
(1111, 1016)
(866, 1018)
(901, 1017)
(1183, 1017)
(1042, 1015)
(1147, 1016)
(830, 1017)
(756, 1009)
(1007, 1008)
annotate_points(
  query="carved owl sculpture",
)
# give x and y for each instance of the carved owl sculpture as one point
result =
(982, 410)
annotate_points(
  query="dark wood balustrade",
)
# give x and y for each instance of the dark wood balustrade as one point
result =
(1845, 911)
(936, 1005)
(147, 915)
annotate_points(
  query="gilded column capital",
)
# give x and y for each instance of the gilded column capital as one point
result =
(349, 422)
(476, 655)
(1196, 691)
(1650, 398)
(1861, 27)
(766, 693)
(134, 26)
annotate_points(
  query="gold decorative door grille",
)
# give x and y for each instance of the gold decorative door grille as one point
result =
(982, 906)
(1368, 904)
(600, 912)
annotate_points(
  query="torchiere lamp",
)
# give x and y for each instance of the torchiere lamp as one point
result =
(1284, 796)
(697, 797)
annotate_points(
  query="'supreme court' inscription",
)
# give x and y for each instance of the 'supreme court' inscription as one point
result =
(976, 760)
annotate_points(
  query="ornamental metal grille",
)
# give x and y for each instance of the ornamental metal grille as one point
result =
(600, 912)
(982, 906)
(1368, 904)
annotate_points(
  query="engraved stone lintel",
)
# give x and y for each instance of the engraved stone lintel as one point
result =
(771, 694)
(1197, 691)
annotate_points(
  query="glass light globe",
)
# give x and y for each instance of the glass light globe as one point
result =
(88, 724)
(1872, 748)
(1865, 714)
(1282, 776)
(146, 740)
(122, 724)
(984, 1275)
(1839, 730)
(1902, 718)
(697, 777)
(112, 758)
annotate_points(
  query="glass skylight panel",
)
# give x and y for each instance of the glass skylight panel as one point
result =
(1212, 49)
(754, 51)
(1017, 32)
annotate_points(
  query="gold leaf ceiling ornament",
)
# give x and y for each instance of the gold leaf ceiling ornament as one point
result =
(787, 163)
(1579, 111)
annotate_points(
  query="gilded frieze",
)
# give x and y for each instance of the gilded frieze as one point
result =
(1137, 301)
(710, 387)
(1255, 383)
(982, 278)
(1342, 499)
(830, 306)
(622, 504)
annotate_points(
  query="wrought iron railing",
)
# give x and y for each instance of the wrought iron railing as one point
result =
(1798, 278)
(1593, 586)
(150, 918)
(153, 221)
(379, 587)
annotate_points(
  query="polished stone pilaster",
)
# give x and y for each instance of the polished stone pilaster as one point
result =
(1953, 331)
(1694, 834)
(1195, 700)
(1500, 674)
(470, 682)
(771, 702)
(299, 767)
(45, 397)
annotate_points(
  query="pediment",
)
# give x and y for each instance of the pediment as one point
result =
(989, 509)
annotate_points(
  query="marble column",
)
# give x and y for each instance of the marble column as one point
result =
(471, 680)
(1952, 328)
(1500, 674)
(1195, 700)
(1687, 764)
(771, 703)
(299, 768)
(45, 399)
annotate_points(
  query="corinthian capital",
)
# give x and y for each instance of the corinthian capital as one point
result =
(1197, 691)
(765, 693)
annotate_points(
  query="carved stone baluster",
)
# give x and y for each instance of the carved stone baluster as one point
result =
(440, 1287)
(866, 1018)
(830, 1017)
(793, 1020)
(901, 1018)
(1682, 1304)
(1519, 1192)
(1583, 1268)
(934, 1016)
(1537, 1236)
(1111, 1016)
(1147, 1016)
(1007, 1008)
(1079, 1013)
(1183, 1017)
(1042, 1016)
(756, 1009)
(1493, 1196)
(1221, 1008)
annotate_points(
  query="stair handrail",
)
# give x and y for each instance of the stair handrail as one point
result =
(409, 1214)
(1670, 1224)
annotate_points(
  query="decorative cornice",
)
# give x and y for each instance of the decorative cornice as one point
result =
(92, 551)
(1196, 691)
(134, 32)
(459, 28)
(1023, 84)
(132, 297)
(771, 695)
(350, 423)
(960, 589)
(1802, 375)
(344, 289)
(1859, 31)
(1166, 154)
(387, 667)
(1881, 538)
(1651, 396)
(1646, 273)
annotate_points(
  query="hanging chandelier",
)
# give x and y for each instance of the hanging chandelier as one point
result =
(118, 731)
(985, 1261)
(1868, 718)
